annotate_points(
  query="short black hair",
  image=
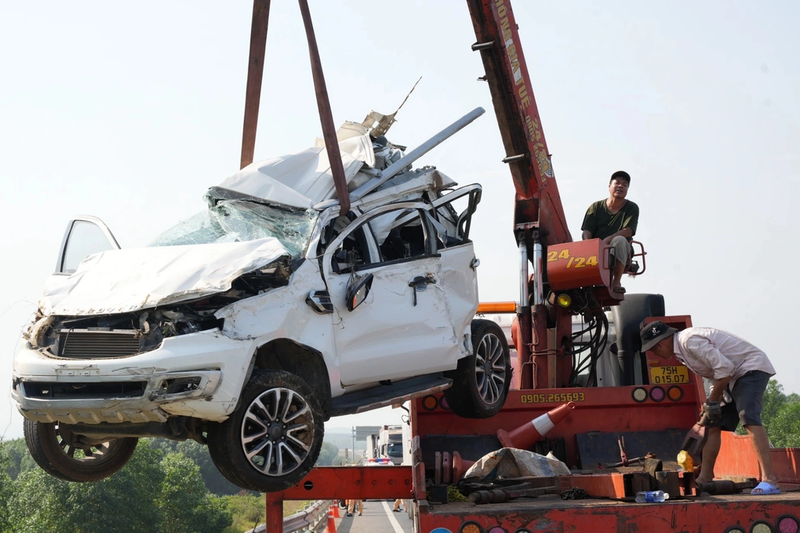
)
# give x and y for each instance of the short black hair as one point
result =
(620, 175)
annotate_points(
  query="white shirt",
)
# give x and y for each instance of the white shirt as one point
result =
(717, 354)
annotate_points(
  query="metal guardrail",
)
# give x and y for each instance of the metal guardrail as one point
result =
(312, 518)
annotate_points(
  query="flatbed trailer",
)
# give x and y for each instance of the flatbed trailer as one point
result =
(735, 513)
(610, 507)
(731, 513)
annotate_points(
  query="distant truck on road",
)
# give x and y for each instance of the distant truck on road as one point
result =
(386, 444)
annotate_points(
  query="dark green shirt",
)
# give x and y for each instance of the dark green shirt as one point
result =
(601, 223)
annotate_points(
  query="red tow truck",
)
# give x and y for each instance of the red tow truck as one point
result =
(641, 405)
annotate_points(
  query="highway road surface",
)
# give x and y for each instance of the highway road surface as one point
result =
(377, 517)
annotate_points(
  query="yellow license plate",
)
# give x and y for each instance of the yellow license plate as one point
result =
(667, 375)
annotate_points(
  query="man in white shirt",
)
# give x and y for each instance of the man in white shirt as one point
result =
(733, 365)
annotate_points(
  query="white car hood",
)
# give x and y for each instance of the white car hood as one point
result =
(119, 281)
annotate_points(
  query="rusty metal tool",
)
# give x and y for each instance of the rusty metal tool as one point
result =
(509, 493)
(696, 439)
(726, 486)
(622, 455)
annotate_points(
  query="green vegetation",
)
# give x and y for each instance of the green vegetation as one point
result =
(5, 488)
(153, 492)
(454, 495)
(247, 511)
(168, 486)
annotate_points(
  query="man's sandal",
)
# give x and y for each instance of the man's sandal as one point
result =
(765, 488)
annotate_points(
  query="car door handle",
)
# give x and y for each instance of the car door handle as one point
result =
(421, 281)
(418, 283)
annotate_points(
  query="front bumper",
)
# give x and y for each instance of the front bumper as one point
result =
(198, 375)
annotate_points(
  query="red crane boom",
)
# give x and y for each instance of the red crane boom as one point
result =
(537, 202)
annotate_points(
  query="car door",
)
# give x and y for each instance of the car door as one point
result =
(453, 219)
(401, 325)
(85, 235)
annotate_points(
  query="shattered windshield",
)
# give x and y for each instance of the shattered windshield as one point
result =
(244, 220)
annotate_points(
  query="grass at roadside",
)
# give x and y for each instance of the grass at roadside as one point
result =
(248, 511)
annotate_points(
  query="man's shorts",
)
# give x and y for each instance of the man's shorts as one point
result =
(621, 249)
(747, 394)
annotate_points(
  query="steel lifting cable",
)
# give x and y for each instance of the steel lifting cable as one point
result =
(258, 40)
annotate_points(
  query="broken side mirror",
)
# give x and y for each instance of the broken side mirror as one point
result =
(357, 291)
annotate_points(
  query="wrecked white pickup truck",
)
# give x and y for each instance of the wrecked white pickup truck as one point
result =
(248, 325)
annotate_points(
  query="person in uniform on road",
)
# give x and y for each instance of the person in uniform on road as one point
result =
(614, 220)
(739, 373)
(351, 507)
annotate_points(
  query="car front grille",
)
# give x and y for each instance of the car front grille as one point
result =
(97, 344)
(82, 391)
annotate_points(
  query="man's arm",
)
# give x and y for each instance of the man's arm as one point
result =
(624, 232)
(717, 387)
(589, 225)
(703, 349)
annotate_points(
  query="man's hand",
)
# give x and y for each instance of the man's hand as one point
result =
(713, 411)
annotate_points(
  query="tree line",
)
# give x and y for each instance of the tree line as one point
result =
(167, 486)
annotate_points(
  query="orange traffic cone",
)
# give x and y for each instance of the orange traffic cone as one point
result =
(331, 527)
(460, 466)
(527, 434)
(335, 509)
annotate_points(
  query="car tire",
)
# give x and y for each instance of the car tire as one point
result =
(481, 381)
(70, 457)
(273, 438)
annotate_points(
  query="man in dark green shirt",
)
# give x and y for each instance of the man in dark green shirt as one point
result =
(614, 220)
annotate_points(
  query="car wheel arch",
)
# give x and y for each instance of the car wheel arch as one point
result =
(299, 359)
(482, 380)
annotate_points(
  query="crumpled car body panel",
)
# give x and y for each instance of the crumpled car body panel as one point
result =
(119, 281)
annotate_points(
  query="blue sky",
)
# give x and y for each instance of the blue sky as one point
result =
(130, 111)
